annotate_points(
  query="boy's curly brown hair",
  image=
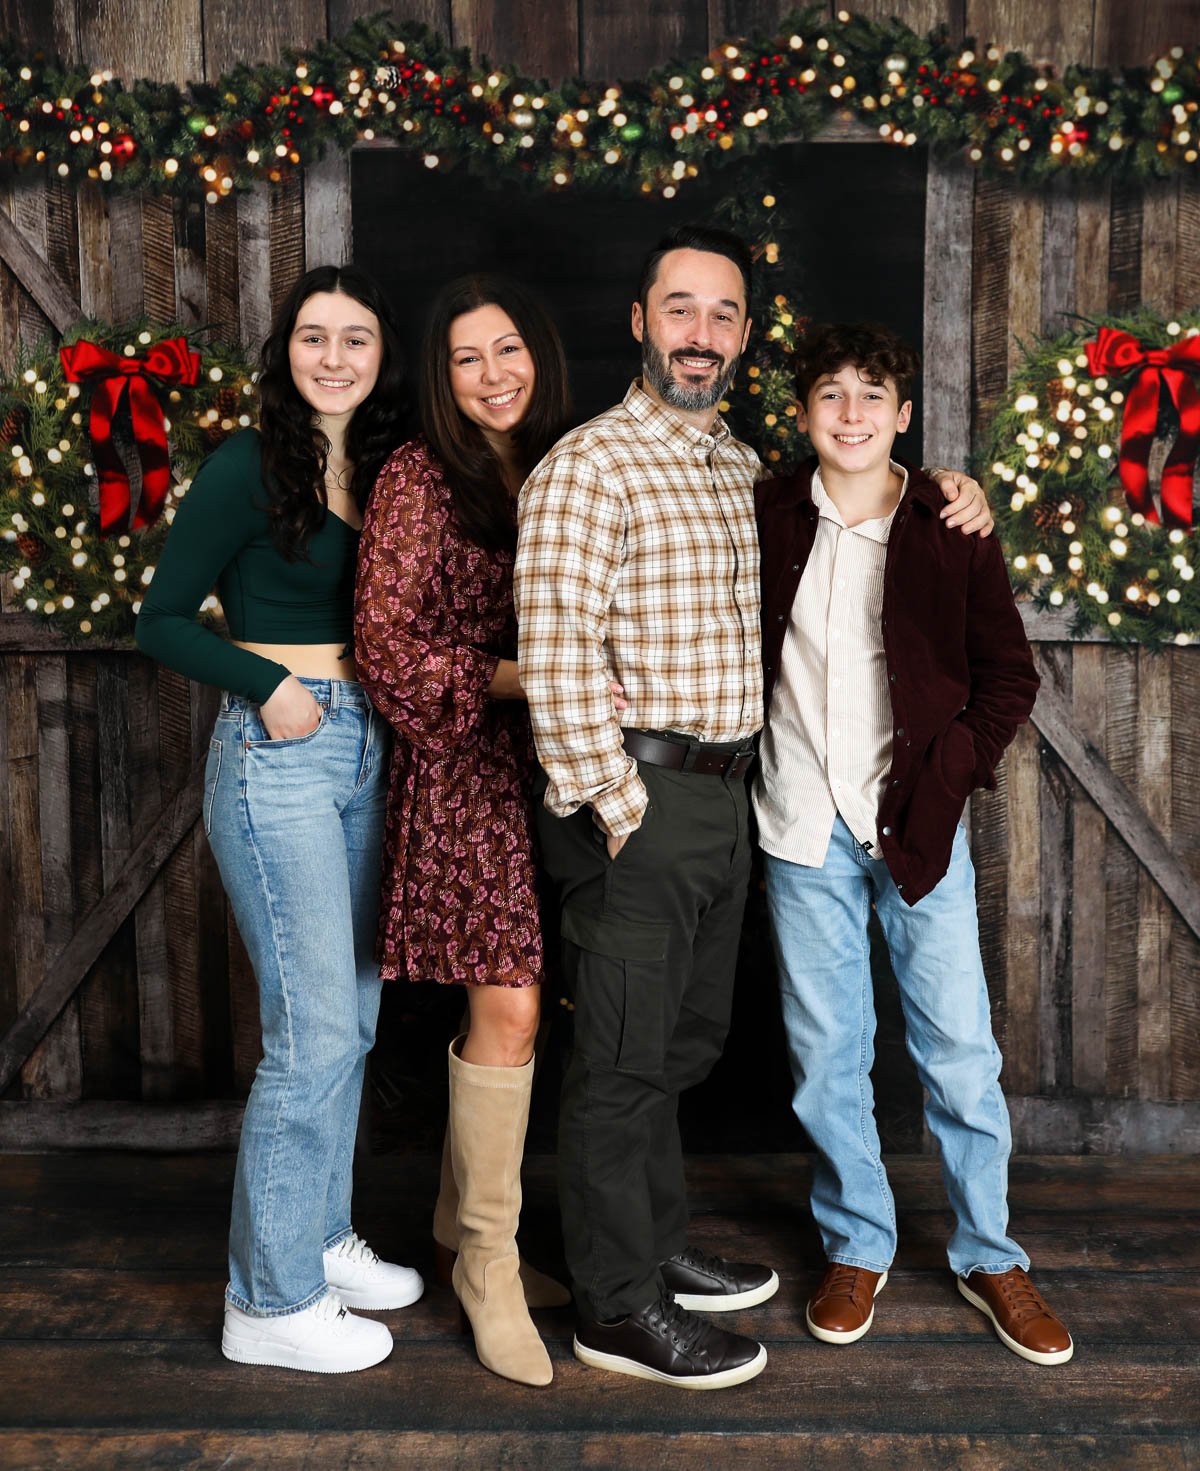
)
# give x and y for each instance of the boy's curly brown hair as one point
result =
(873, 349)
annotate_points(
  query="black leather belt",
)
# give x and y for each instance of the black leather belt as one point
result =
(706, 758)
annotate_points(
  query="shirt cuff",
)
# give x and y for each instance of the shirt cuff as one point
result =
(621, 806)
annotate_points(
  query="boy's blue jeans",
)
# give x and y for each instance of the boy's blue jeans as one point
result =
(296, 827)
(819, 925)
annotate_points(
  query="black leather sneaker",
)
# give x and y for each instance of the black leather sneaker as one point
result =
(709, 1284)
(664, 1343)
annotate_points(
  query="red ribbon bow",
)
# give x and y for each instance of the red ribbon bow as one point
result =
(167, 362)
(1116, 354)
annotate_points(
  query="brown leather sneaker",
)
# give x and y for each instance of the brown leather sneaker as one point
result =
(843, 1307)
(1019, 1314)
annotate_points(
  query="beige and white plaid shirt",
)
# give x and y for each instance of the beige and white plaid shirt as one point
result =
(637, 561)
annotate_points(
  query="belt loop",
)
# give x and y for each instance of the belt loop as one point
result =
(335, 697)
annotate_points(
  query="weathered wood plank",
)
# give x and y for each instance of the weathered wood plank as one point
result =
(156, 1041)
(369, 1450)
(328, 234)
(191, 277)
(947, 355)
(433, 13)
(1055, 831)
(1024, 1042)
(61, 1047)
(1154, 914)
(991, 253)
(64, 975)
(29, 266)
(221, 268)
(254, 266)
(1187, 245)
(154, 38)
(624, 38)
(25, 858)
(176, 760)
(1060, 225)
(234, 32)
(211, 918)
(1116, 1126)
(1057, 33)
(285, 229)
(1025, 275)
(158, 256)
(1087, 887)
(1121, 878)
(1185, 818)
(1125, 247)
(98, 1124)
(1131, 35)
(1160, 216)
(522, 34)
(95, 253)
(1092, 249)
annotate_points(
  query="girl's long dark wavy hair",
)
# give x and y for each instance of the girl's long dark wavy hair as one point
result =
(294, 452)
(476, 479)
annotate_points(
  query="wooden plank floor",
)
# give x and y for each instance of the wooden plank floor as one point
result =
(111, 1275)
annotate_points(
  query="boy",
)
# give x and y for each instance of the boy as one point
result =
(896, 672)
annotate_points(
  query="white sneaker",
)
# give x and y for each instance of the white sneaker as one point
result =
(324, 1338)
(361, 1280)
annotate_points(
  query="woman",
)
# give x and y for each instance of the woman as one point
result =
(293, 805)
(436, 645)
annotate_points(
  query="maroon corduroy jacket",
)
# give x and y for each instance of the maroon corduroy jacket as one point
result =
(960, 673)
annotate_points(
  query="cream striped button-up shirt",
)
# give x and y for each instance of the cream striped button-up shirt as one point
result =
(827, 746)
(637, 560)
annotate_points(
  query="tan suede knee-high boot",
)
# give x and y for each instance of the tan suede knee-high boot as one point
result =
(540, 1290)
(489, 1109)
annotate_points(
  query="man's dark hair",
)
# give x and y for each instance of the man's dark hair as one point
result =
(698, 237)
(873, 350)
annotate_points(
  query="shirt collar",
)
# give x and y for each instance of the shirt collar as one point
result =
(877, 529)
(683, 438)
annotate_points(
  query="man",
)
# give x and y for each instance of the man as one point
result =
(638, 562)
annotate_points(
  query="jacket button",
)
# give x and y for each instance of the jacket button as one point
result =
(900, 732)
(795, 566)
(899, 888)
(886, 831)
(891, 678)
(896, 783)
(779, 618)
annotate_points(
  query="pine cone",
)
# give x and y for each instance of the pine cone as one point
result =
(225, 404)
(12, 427)
(31, 549)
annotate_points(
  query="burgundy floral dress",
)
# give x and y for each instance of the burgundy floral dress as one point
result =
(434, 615)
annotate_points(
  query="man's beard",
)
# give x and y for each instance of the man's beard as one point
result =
(656, 370)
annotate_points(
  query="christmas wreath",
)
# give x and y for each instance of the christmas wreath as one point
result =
(98, 441)
(1094, 459)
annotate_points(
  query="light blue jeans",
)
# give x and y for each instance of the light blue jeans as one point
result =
(296, 827)
(819, 927)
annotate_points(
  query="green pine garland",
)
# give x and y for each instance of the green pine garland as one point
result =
(51, 551)
(1070, 537)
(398, 82)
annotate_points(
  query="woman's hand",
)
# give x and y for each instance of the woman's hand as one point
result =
(290, 711)
(618, 691)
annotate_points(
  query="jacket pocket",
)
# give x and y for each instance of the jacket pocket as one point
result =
(954, 760)
(619, 993)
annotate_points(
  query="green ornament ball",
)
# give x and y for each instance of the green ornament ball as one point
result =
(196, 124)
(1173, 93)
(631, 132)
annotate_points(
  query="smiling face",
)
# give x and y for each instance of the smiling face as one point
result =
(853, 422)
(693, 330)
(491, 371)
(335, 353)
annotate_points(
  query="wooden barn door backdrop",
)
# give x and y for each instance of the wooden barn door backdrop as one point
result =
(127, 1009)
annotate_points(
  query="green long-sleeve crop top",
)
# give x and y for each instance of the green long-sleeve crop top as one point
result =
(220, 538)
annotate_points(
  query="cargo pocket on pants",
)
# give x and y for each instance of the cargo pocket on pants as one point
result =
(619, 990)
